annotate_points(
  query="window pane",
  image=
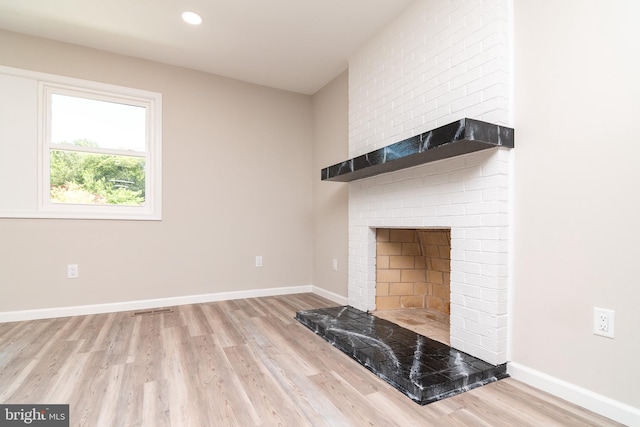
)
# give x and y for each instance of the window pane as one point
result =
(96, 179)
(93, 123)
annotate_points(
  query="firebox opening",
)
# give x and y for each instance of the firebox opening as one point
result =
(413, 279)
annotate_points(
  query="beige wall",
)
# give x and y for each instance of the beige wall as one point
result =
(577, 191)
(330, 220)
(236, 184)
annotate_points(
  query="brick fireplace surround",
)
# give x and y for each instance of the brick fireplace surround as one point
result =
(459, 189)
(437, 63)
(469, 195)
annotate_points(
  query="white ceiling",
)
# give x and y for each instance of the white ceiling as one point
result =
(297, 45)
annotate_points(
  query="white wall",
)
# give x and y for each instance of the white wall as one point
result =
(577, 192)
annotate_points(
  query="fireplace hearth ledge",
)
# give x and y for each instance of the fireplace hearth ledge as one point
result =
(423, 369)
(454, 139)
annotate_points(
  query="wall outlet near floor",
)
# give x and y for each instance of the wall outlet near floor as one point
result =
(603, 322)
(259, 261)
(72, 271)
(334, 265)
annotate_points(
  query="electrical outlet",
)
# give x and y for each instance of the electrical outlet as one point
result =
(72, 271)
(259, 261)
(334, 265)
(603, 322)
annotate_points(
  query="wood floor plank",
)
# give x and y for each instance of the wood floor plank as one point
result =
(61, 389)
(233, 363)
(225, 333)
(152, 409)
(263, 391)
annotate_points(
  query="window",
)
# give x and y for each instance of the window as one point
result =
(97, 149)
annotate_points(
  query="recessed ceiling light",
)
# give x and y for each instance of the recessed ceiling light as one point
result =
(191, 17)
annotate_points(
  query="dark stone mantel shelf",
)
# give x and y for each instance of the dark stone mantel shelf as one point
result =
(454, 139)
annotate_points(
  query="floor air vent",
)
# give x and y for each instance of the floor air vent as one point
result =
(158, 311)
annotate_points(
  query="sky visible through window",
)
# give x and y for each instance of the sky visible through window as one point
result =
(111, 125)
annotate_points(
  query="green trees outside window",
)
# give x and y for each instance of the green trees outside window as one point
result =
(89, 178)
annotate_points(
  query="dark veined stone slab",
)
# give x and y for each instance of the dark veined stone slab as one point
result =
(454, 139)
(423, 369)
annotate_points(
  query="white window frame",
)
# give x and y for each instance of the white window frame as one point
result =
(42, 207)
(150, 154)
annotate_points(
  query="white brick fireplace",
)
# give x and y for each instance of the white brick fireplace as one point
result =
(439, 62)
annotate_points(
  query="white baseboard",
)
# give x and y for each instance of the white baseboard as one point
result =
(339, 299)
(49, 313)
(613, 409)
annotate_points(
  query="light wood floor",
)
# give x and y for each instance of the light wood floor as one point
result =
(237, 363)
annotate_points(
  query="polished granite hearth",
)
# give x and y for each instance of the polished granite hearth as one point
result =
(423, 369)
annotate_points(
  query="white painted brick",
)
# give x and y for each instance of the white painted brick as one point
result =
(478, 328)
(402, 213)
(467, 221)
(467, 267)
(498, 116)
(457, 299)
(481, 157)
(482, 208)
(463, 174)
(447, 77)
(468, 101)
(437, 200)
(465, 313)
(495, 193)
(466, 197)
(441, 89)
(481, 281)
(495, 11)
(491, 258)
(495, 358)
(457, 255)
(456, 321)
(490, 270)
(495, 220)
(436, 63)
(493, 320)
(494, 295)
(483, 306)
(491, 168)
(396, 222)
(465, 290)
(495, 246)
(457, 276)
(491, 344)
(481, 183)
(466, 336)
(496, 65)
(495, 334)
(503, 271)
(467, 244)
(487, 80)
(426, 212)
(445, 115)
(432, 175)
(451, 210)
(459, 344)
